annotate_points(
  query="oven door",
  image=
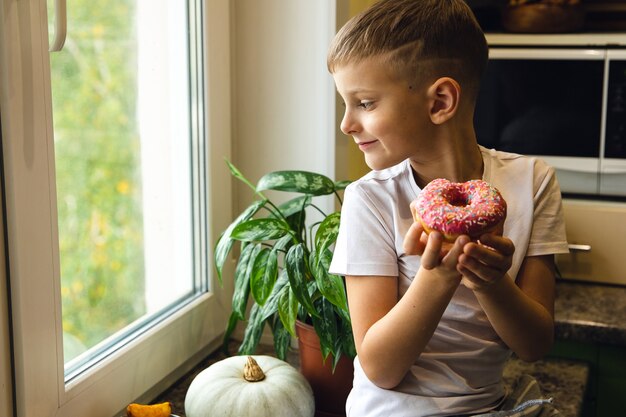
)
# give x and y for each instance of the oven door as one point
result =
(546, 103)
(613, 162)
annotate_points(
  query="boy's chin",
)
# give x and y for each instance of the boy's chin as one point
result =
(378, 164)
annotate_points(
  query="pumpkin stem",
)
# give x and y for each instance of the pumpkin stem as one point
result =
(252, 372)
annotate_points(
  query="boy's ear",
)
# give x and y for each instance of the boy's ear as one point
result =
(444, 95)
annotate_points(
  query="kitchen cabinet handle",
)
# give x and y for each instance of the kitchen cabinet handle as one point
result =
(60, 25)
(579, 248)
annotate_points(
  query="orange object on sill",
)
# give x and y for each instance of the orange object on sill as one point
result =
(155, 410)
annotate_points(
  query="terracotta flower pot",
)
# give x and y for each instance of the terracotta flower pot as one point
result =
(330, 389)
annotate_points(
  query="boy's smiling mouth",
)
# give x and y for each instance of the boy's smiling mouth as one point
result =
(365, 144)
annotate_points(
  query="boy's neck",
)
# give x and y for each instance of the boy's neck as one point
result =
(457, 159)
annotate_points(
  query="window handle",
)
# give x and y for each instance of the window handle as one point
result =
(60, 25)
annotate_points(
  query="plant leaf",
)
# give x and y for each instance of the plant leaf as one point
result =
(282, 340)
(347, 339)
(225, 242)
(296, 223)
(341, 185)
(253, 332)
(299, 275)
(234, 171)
(242, 279)
(283, 243)
(288, 309)
(297, 181)
(327, 232)
(331, 286)
(295, 205)
(271, 305)
(326, 327)
(261, 283)
(270, 276)
(256, 230)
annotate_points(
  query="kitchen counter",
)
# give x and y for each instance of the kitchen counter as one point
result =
(590, 313)
(587, 313)
(563, 380)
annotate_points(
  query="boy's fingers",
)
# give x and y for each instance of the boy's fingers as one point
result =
(412, 240)
(430, 257)
(495, 252)
(503, 245)
(472, 267)
(483, 254)
(472, 282)
(456, 250)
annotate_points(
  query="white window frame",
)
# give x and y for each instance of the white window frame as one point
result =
(161, 354)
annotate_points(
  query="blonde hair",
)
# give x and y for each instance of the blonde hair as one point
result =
(420, 39)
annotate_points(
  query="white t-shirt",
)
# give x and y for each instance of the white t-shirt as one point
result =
(460, 371)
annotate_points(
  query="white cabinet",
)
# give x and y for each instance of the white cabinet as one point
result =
(596, 232)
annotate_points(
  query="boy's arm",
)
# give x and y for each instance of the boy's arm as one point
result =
(390, 334)
(521, 311)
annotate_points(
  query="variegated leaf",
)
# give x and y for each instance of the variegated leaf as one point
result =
(288, 309)
(326, 327)
(225, 243)
(298, 273)
(331, 286)
(257, 230)
(260, 283)
(295, 205)
(327, 232)
(297, 181)
(341, 185)
(242, 279)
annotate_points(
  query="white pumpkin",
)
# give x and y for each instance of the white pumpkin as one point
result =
(259, 386)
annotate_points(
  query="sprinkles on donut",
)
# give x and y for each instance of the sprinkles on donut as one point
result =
(453, 209)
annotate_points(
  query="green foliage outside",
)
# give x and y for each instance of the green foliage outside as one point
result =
(98, 173)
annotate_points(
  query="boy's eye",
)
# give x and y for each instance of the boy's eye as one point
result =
(366, 104)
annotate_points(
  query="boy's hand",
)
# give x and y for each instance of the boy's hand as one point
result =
(485, 262)
(432, 248)
(415, 240)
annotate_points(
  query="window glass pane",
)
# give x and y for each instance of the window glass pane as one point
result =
(120, 93)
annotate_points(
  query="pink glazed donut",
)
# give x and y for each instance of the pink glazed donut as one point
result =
(453, 209)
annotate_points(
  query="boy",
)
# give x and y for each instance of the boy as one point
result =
(433, 331)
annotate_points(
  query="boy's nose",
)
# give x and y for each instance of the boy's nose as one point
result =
(348, 125)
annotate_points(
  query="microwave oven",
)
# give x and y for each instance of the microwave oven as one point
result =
(562, 98)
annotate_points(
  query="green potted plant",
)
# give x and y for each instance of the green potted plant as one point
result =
(282, 266)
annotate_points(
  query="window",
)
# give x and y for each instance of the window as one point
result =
(123, 165)
(110, 169)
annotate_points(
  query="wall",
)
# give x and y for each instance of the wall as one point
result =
(283, 98)
(355, 166)
(6, 388)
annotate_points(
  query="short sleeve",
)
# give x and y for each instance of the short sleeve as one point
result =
(365, 244)
(548, 231)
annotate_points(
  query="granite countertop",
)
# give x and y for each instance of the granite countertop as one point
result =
(562, 380)
(590, 313)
